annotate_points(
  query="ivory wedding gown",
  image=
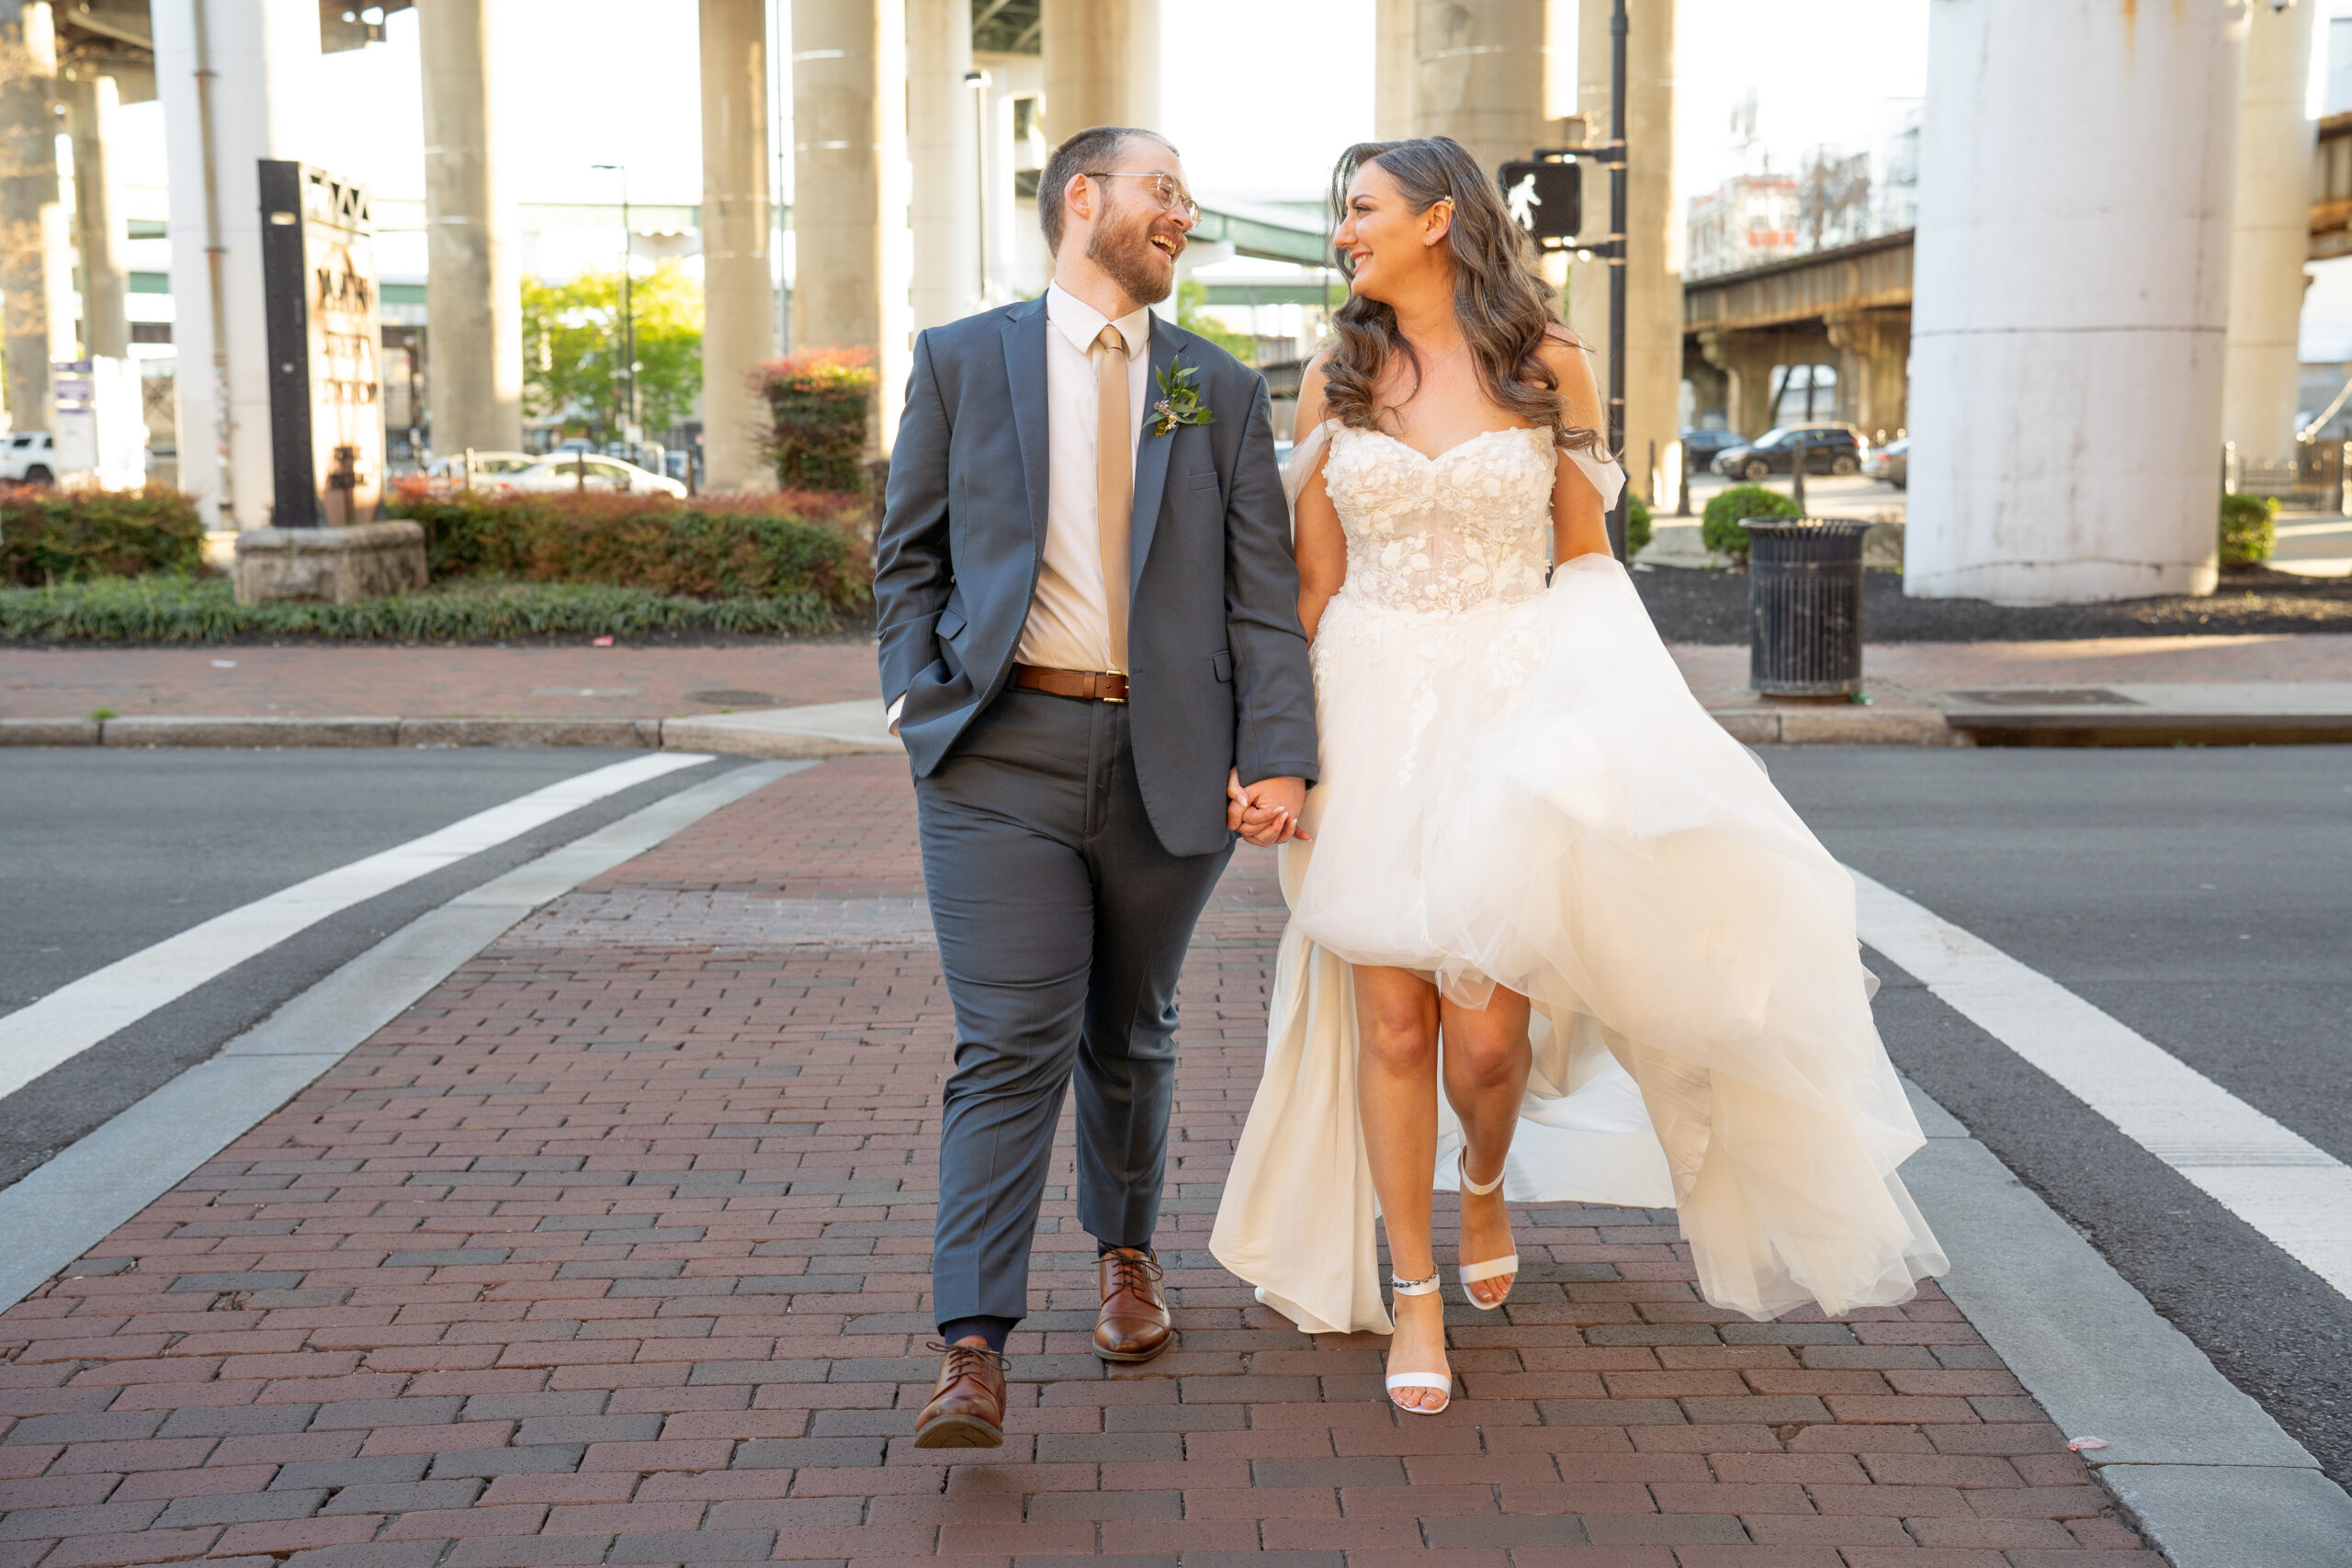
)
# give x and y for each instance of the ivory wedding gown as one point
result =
(1519, 789)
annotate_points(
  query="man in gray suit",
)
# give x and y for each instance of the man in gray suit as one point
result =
(1090, 641)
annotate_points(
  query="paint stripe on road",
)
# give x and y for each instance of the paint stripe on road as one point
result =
(40, 1035)
(2294, 1192)
(71, 1203)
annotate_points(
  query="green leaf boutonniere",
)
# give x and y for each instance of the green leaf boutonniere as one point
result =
(1179, 401)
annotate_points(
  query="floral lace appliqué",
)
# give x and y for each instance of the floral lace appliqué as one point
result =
(1468, 528)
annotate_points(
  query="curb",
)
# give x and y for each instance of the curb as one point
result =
(731, 735)
(769, 736)
(1850, 725)
(642, 734)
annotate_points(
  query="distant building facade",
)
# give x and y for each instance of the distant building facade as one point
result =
(1747, 221)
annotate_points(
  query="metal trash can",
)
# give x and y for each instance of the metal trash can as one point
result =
(1805, 605)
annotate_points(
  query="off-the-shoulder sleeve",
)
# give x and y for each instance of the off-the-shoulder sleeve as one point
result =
(1305, 458)
(1609, 479)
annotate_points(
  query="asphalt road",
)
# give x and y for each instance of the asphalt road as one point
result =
(2203, 897)
(105, 852)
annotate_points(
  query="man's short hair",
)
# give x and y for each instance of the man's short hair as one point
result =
(1094, 148)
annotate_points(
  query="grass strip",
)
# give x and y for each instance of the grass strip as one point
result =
(165, 608)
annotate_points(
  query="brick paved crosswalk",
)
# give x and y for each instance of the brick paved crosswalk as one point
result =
(615, 1248)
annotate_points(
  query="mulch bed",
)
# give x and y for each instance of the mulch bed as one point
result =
(1711, 606)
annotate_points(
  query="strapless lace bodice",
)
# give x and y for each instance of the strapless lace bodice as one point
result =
(1468, 528)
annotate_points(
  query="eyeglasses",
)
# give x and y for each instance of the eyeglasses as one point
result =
(1164, 187)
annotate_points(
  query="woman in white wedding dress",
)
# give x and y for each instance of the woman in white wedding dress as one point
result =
(1534, 873)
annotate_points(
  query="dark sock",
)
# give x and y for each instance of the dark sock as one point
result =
(992, 1330)
(1103, 1247)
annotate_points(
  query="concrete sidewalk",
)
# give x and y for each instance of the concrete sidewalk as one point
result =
(613, 1249)
(803, 698)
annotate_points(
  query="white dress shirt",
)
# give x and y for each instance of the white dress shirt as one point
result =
(1069, 619)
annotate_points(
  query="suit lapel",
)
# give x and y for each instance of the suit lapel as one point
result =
(1024, 369)
(1151, 457)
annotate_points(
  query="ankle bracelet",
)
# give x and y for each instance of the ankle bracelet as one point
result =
(1404, 1287)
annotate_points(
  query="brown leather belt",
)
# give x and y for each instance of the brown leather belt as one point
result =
(1087, 684)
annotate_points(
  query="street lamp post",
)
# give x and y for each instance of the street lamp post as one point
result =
(628, 317)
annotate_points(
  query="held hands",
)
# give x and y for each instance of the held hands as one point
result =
(1265, 814)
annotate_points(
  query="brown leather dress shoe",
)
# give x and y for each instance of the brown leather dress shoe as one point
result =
(967, 1408)
(1134, 1323)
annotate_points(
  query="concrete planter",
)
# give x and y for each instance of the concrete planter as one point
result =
(334, 566)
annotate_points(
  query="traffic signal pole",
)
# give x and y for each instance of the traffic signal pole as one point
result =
(1616, 254)
(1559, 232)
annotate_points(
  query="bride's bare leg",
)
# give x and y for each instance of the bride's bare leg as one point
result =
(1486, 1063)
(1396, 1016)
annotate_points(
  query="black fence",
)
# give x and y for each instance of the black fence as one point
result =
(2313, 479)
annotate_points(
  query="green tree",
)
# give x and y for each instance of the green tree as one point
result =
(571, 344)
(1192, 297)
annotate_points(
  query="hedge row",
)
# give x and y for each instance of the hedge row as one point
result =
(51, 535)
(758, 547)
(161, 608)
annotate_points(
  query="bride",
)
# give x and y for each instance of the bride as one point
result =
(1535, 875)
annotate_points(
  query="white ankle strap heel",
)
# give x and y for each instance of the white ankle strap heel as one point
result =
(1441, 1382)
(1472, 1273)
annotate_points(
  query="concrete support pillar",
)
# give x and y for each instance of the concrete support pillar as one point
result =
(90, 104)
(1397, 65)
(2070, 289)
(849, 214)
(1101, 61)
(1710, 387)
(1654, 232)
(1478, 76)
(32, 215)
(943, 144)
(1873, 369)
(2269, 236)
(473, 291)
(1747, 361)
(737, 286)
(227, 75)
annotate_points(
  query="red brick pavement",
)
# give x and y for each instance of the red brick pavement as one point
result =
(617, 1253)
(576, 681)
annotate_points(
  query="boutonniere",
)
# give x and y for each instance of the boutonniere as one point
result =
(1180, 400)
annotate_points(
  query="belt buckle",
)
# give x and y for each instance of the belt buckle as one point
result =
(1106, 678)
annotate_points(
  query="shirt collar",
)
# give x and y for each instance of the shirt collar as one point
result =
(1081, 324)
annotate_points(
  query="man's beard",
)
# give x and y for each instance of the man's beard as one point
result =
(1133, 263)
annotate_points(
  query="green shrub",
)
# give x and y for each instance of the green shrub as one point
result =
(1637, 525)
(2249, 528)
(817, 403)
(175, 609)
(52, 535)
(751, 546)
(1719, 526)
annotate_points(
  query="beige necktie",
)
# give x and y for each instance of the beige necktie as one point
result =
(1115, 458)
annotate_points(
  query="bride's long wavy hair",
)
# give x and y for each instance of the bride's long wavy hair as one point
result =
(1500, 299)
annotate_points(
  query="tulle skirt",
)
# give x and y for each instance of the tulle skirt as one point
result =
(1528, 795)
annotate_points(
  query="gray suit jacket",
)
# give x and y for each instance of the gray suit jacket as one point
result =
(1219, 677)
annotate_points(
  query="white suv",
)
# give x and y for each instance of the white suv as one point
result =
(28, 458)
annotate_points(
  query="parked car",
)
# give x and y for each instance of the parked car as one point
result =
(1701, 447)
(485, 465)
(1890, 463)
(582, 470)
(28, 458)
(1829, 449)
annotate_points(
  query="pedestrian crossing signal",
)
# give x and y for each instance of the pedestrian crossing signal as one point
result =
(1544, 198)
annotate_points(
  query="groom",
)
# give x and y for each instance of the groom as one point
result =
(1090, 641)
